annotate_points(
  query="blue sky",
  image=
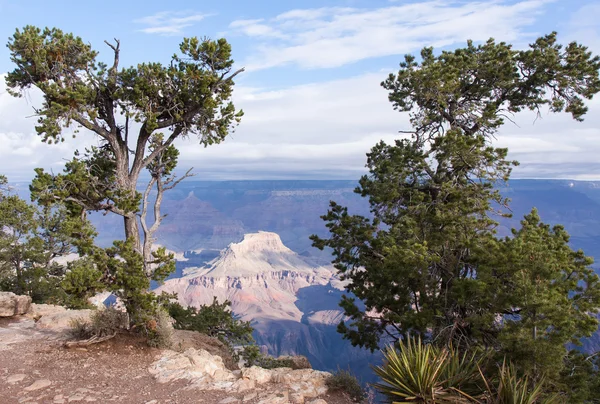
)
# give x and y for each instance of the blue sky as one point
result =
(311, 87)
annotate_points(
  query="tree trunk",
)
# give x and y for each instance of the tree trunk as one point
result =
(128, 181)
(132, 232)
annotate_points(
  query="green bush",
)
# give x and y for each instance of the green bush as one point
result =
(418, 371)
(423, 373)
(253, 357)
(343, 380)
(215, 320)
(108, 321)
(102, 323)
(160, 332)
(81, 282)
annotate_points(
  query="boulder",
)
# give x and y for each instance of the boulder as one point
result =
(309, 383)
(13, 305)
(204, 370)
(38, 310)
(258, 374)
(23, 303)
(296, 362)
(7, 304)
(62, 320)
(185, 339)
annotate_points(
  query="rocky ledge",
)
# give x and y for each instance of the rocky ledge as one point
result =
(204, 371)
(36, 368)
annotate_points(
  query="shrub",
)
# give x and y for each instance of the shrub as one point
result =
(343, 380)
(80, 329)
(423, 373)
(102, 323)
(81, 281)
(215, 320)
(512, 389)
(108, 321)
(160, 330)
(253, 357)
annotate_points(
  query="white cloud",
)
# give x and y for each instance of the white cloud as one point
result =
(20, 147)
(169, 22)
(256, 28)
(320, 130)
(323, 130)
(332, 37)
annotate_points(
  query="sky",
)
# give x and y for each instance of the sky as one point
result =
(311, 90)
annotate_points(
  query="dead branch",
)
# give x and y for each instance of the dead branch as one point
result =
(90, 341)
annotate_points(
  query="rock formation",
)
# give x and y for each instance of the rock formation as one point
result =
(291, 301)
(204, 371)
(13, 305)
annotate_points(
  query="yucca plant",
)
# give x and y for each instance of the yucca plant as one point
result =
(426, 374)
(423, 373)
(512, 389)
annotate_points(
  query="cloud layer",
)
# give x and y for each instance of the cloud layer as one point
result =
(323, 130)
(332, 37)
(169, 22)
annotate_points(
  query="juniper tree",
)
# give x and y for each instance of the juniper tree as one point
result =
(32, 237)
(136, 113)
(421, 264)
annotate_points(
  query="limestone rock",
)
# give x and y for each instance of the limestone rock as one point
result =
(308, 382)
(38, 310)
(280, 397)
(22, 304)
(242, 385)
(259, 375)
(13, 305)
(62, 320)
(38, 385)
(204, 370)
(230, 400)
(318, 401)
(7, 304)
(16, 378)
(297, 398)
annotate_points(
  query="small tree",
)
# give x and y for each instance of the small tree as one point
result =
(31, 238)
(160, 103)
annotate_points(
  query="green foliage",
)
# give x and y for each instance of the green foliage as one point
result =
(548, 292)
(580, 378)
(103, 323)
(31, 237)
(160, 333)
(343, 380)
(81, 282)
(428, 263)
(123, 274)
(423, 373)
(252, 356)
(419, 372)
(190, 95)
(215, 320)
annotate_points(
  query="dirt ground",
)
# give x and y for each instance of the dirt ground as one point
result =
(36, 368)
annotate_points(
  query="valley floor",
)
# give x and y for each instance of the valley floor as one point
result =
(35, 368)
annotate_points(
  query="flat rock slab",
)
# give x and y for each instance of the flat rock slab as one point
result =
(13, 379)
(38, 385)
